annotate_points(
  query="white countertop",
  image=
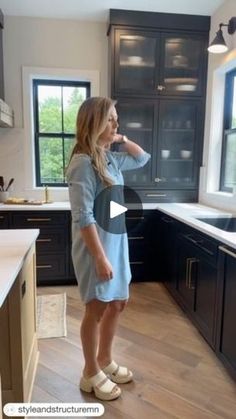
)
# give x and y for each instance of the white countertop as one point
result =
(187, 212)
(184, 212)
(14, 246)
(54, 206)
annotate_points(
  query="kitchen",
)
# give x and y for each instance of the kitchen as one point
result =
(87, 59)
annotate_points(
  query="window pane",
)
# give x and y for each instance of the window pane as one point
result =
(50, 115)
(230, 159)
(234, 105)
(51, 160)
(68, 146)
(72, 99)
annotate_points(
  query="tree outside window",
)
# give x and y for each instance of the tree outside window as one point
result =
(56, 104)
(228, 162)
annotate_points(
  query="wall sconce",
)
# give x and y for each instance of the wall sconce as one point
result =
(218, 44)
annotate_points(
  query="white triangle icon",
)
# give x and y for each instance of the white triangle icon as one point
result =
(116, 209)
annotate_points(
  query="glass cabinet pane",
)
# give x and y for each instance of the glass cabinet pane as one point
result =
(136, 121)
(182, 64)
(136, 62)
(177, 144)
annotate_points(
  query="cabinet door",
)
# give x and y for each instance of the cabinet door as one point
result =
(167, 248)
(136, 66)
(183, 64)
(178, 148)
(137, 121)
(226, 330)
(186, 272)
(205, 304)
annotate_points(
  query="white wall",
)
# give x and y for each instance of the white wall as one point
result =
(217, 66)
(48, 43)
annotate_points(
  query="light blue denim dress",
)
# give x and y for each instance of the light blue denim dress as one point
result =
(84, 186)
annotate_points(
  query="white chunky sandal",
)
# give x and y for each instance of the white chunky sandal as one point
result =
(118, 374)
(103, 388)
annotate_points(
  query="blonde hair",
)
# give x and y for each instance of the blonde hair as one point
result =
(91, 121)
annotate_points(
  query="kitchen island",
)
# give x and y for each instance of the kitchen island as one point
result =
(19, 349)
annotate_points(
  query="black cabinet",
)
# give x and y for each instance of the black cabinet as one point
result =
(163, 63)
(158, 68)
(4, 220)
(197, 279)
(53, 247)
(166, 251)
(141, 248)
(226, 330)
(174, 157)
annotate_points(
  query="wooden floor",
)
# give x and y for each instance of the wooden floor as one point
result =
(176, 374)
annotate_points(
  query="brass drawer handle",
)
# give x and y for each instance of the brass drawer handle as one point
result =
(155, 194)
(136, 263)
(136, 238)
(43, 240)
(39, 219)
(134, 218)
(44, 266)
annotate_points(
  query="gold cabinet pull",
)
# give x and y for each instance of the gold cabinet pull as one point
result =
(137, 263)
(155, 194)
(136, 238)
(43, 240)
(44, 266)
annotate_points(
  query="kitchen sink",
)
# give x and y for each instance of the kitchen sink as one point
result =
(226, 224)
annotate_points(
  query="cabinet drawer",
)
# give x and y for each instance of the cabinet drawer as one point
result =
(50, 267)
(135, 225)
(204, 245)
(4, 220)
(33, 219)
(51, 240)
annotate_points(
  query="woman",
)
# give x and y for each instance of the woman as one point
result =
(100, 259)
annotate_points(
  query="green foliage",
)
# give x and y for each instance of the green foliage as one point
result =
(53, 159)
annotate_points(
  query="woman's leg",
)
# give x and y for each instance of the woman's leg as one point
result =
(108, 327)
(89, 333)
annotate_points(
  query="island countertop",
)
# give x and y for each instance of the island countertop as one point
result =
(14, 246)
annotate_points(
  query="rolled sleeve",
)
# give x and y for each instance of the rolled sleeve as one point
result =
(127, 162)
(82, 189)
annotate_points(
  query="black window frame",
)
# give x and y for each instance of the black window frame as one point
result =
(49, 82)
(227, 125)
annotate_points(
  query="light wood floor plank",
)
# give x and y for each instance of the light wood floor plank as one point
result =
(177, 375)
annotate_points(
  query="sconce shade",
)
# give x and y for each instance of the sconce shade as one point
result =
(218, 44)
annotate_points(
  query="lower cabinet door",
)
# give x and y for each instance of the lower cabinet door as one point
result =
(205, 302)
(186, 273)
(226, 329)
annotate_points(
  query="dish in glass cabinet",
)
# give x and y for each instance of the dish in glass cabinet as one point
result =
(135, 59)
(186, 87)
(134, 125)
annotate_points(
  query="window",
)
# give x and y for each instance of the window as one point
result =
(56, 104)
(228, 161)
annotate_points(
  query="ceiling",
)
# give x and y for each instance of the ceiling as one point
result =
(97, 10)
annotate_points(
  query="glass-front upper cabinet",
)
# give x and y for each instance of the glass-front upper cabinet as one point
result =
(177, 154)
(183, 64)
(136, 120)
(153, 63)
(135, 56)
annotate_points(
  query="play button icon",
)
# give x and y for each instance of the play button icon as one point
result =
(111, 209)
(116, 209)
